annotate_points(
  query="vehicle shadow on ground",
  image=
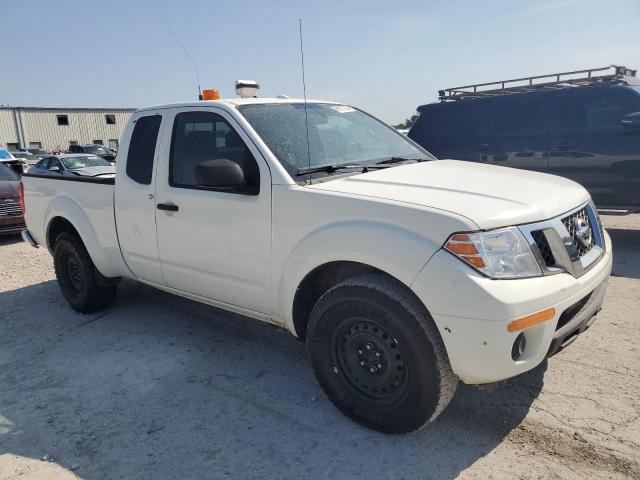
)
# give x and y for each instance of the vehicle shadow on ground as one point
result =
(161, 387)
(10, 239)
(626, 252)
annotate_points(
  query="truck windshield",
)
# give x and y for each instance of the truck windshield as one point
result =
(338, 134)
(73, 163)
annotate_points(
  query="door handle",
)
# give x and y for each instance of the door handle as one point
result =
(168, 207)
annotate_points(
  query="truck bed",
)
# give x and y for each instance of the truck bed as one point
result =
(87, 203)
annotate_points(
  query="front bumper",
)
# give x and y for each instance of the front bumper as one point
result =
(472, 313)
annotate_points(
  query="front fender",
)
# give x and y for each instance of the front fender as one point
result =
(396, 251)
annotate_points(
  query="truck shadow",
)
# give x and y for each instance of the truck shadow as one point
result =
(626, 252)
(162, 387)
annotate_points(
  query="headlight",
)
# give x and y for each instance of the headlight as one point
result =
(501, 253)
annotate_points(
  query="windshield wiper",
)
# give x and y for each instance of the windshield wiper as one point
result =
(400, 160)
(332, 168)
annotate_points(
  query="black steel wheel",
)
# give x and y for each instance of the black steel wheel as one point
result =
(77, 276)
(378, 355)
(371, 360)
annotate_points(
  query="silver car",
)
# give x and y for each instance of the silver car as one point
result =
(74, 164)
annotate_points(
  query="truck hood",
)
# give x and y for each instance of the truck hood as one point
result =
(491, 196)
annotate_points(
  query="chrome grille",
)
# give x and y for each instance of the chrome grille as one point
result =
(12, 227)
(572, 242)
(545, 250)
(10, 208)
(581, 236)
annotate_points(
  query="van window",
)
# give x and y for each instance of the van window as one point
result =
(511, 115)
(589, 109)
(450, 119)
(607, 110)
(142, 148)
(201, 136)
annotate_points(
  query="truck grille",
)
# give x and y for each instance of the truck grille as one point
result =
(581, 237)
(570, 242)
(14, 227)
(10, 208)
(543, 245)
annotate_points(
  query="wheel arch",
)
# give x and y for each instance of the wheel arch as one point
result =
(58, 225)
(341, 250)
(321, 279)
(65, 215)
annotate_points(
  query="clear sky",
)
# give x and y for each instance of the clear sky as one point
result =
(386, 57)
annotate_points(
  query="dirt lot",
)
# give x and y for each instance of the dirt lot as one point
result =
(162, 387)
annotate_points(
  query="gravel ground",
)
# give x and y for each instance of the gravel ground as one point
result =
(162, 387)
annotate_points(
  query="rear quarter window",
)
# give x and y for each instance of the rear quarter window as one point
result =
(142, 149)
(590, 109)
(447, 129)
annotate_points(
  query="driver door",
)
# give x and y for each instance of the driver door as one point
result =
(213, 243)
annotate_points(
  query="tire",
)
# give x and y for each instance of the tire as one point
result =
(378, 355)
(78, 278)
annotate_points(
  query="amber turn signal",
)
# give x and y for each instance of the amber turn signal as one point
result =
(531, 320)
(463, 247)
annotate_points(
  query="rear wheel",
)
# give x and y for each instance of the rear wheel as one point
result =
(78, 278)
(378, 355)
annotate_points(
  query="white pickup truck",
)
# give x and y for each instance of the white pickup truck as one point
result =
(404, 274)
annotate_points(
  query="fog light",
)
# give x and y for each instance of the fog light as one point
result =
(518, 347)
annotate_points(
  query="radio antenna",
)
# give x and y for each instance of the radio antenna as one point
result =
(193, 62)
(304, 92)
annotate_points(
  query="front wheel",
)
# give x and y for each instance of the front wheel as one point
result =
(78, 278)
(378, 355)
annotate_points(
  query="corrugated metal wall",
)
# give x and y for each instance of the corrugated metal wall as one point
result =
(41, 125)
(8, 133)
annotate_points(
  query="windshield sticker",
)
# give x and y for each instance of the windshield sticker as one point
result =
(342, 108)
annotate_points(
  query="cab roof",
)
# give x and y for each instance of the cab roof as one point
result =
(234, 102)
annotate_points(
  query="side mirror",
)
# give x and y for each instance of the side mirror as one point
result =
(55, 169)
(221, 174)
(631, 122)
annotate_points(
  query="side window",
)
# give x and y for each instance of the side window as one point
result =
(200, 137)
(607, 110)
(512, 115)
(142, 149)
(566, 113)
(44, 163)
(55, 163)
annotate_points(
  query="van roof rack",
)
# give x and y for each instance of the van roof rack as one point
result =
(552, 81)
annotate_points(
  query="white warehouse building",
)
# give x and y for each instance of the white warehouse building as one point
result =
(57, 128)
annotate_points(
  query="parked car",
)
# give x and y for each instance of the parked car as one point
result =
(586, 129)
(35, 151)
(11, 214)
(18, 165)
(27, 157)
(32, 155)
(74, 165)
(402, 273)
(94, 149)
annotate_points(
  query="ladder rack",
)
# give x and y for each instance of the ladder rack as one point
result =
(619, 75)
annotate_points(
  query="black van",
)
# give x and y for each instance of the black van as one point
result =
(586, 128)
